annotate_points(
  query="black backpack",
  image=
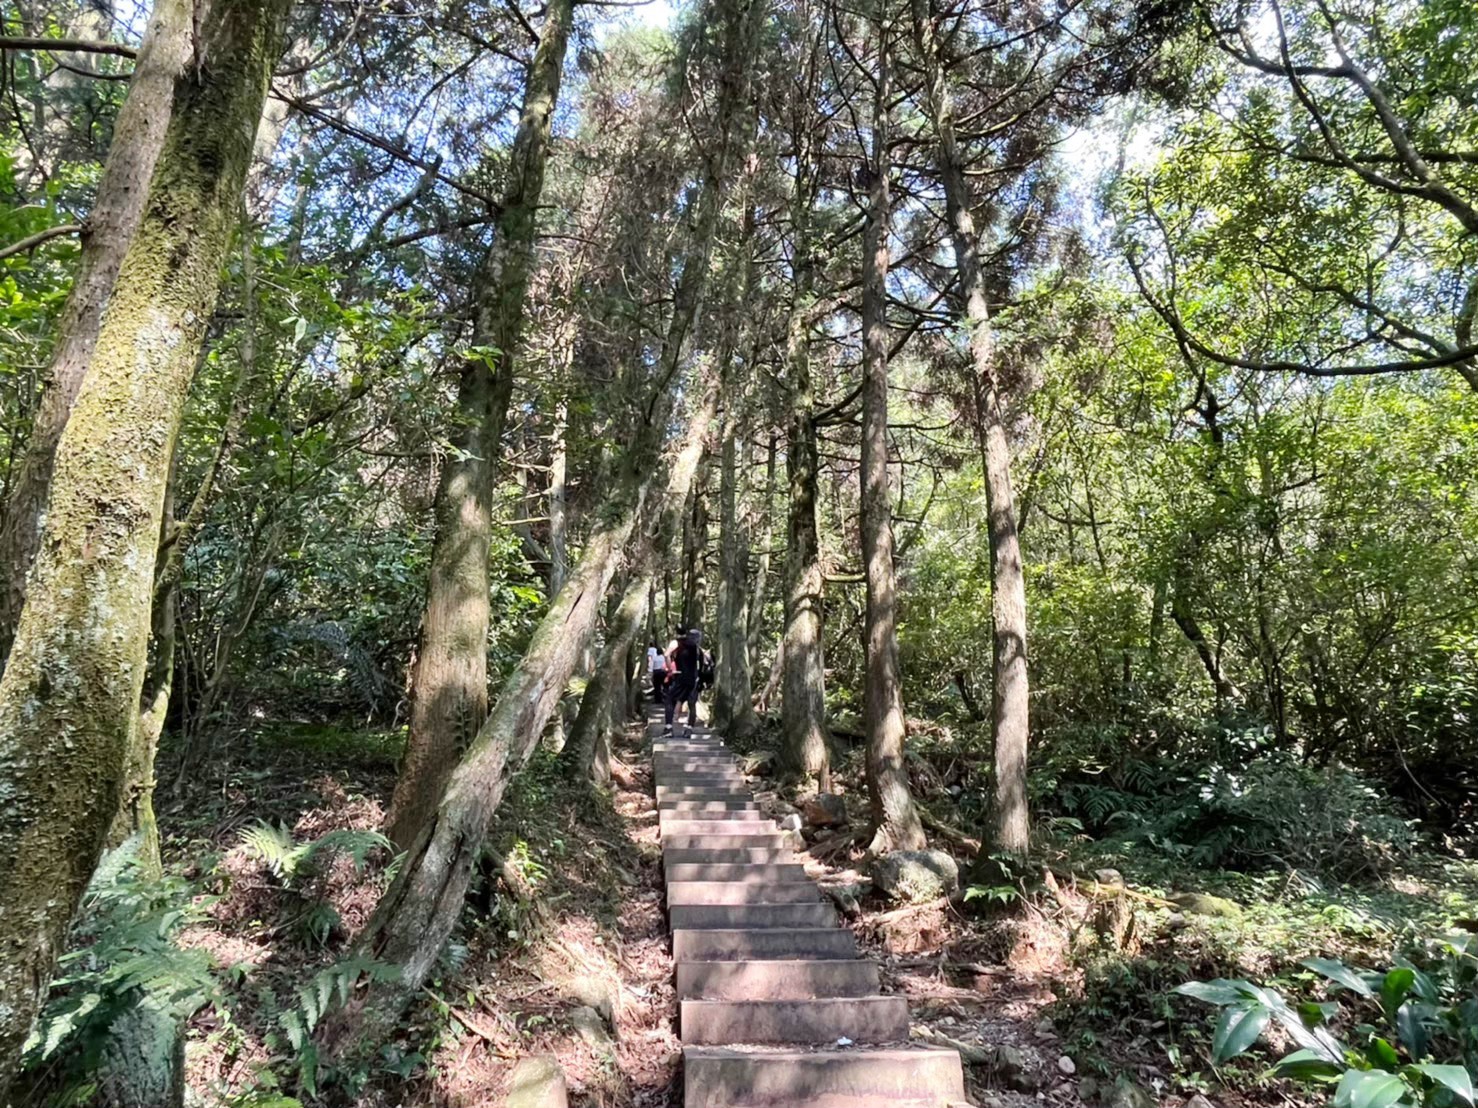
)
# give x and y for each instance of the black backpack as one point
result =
(705, 671)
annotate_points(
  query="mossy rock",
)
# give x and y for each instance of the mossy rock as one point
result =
(1204, 904)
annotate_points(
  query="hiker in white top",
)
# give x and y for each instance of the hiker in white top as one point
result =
(657, 667)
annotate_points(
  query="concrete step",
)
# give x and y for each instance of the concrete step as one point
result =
(734, 944)
(776, 980)
(707, 780)
(863, 1019)
(681, 826)
(766, 916)
(772, 841)
(743, 872)
(918, 1077)
(734, 796)
(734, 855)
(733, 892)
(721, 809)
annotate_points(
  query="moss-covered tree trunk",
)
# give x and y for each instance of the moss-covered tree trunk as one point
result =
(69, 698)
(138, 136)
(449, 684)
(1010, 712)
(896, 823)
(806, 746)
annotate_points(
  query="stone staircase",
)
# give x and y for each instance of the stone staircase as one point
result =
(776, 1009)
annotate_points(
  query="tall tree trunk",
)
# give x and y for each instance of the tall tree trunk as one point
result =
(695, 549)
(416, 915)
(806, 746)
(1010, 713)
(754, 601)
(77, 667)
(138, 136)
(896, 823)
(449, 686)
(733, 695)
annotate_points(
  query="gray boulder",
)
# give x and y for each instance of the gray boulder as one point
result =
(916, 876)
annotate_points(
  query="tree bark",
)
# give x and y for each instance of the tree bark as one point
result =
(754, 602)
(449, 685)
(69, 698)
(895, 821)
(1010, 711)
(733, 695)
(138, 136)
(806, 746)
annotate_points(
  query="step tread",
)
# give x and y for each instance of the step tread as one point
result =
(874, 1019)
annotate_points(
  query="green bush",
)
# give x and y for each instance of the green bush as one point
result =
(1271, 813)
(1414, 1042)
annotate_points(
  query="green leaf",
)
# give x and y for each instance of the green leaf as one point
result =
(1217, 992)
(1394, 988)
(1339, 973)
(1411, 1027)
(1306, 1065)
(1455, 1078)
(1382, 1054)
(1368, 1089)
(1237, 1030)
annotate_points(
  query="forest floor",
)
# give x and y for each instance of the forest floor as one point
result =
(1055, 993)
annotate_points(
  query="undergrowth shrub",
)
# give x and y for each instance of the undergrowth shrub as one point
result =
(1270, 813)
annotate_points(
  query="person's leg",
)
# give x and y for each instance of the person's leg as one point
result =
(671, 705)
(693, 707)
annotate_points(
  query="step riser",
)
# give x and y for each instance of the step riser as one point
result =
(763, 856)
(710, 809)
(680, 893)
(725, 842)
(756, 980)
(720, 1078)
(714, 945)
(718, 827)
(701, 792)
(876, 1019)
(758, 916)
(729, 872)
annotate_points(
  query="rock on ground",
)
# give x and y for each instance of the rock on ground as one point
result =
(537, 1082)
(916, 876)
(824, 810)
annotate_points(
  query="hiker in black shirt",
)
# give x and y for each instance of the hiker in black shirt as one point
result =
(682, 685)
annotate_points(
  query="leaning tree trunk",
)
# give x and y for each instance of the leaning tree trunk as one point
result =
(896, 823)
(584, 752)
(138, 135)
(69, 698)
(1010, 711)
(420, 909)
(805, 749)
(449, 685)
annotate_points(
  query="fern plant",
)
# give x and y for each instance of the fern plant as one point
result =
(124, 990)
(295, 1022)
(302, 867)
